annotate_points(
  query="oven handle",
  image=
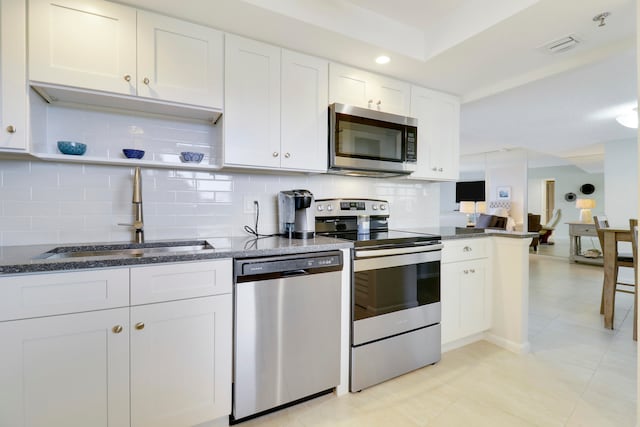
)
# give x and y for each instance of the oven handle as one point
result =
(418, 247)
(395, 260)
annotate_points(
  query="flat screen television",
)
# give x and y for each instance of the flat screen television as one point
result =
(470, 191)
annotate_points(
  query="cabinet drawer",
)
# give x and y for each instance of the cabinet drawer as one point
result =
(460, 250)
(169, 282)
(59, 293)
(583, 230)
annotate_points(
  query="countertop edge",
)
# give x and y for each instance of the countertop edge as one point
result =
(249, 249)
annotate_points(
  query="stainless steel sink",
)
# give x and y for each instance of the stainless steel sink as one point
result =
(129, 250)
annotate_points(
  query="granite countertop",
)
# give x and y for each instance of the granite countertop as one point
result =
(25, 259)
(452, 233)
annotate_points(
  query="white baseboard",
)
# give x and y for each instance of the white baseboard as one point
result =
(512, 346)
(462, 342)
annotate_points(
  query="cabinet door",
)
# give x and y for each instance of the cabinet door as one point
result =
(438, 117)
(475, 298)
(367, 90)
(179, 61)
(181, 362)
(70, 370)
(450, 302)
(13, 75)
(304, 113)
(466, 299)
(252, 103)
(393, 96)
(83, 43)
(350, 86)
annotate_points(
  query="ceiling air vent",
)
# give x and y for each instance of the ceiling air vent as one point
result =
(561, 45)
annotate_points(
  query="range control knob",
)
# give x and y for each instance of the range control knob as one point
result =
(383, 207)
(329, 208)
(320, 208)
(374, 207)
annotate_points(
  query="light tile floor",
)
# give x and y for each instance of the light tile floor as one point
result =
(577, 374)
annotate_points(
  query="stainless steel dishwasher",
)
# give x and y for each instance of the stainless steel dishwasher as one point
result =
(286, 330)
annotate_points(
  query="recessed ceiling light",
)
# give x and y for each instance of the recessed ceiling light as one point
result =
(382, 59)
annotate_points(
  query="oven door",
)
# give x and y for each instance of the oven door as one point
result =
(395, 292)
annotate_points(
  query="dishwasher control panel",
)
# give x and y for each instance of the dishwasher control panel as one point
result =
(284, 264)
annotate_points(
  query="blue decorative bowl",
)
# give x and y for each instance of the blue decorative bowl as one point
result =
(191, 157)
(130, 153)
(72, 148)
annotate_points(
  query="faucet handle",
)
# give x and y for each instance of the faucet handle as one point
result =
(138, 225)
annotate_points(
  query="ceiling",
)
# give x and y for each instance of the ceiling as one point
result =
(515, 94)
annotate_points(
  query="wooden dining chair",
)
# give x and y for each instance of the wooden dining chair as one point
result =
(622, 260)
(633, 226)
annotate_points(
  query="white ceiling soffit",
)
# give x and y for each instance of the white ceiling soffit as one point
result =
(416, 28)
(557, 115)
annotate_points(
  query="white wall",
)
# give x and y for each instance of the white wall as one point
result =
(568, 179)
(509, 169)
(620, 176)
(55, 203)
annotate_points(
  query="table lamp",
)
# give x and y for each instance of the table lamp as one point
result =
(585, 206)
(470, 209)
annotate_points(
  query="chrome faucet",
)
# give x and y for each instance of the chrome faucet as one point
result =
(138, 223)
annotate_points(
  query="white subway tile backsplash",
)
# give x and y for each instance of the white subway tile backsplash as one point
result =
(55, 203)
(31, 209)
(215, 185)
(15, 223)
(13, 194)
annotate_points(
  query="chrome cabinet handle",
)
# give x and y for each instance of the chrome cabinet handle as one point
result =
(434, 169)
(140, 326)
(145, 80)
(287, 155)
(466, 271)
(275, 154)
(472, 270)
(117, 329)
(439, 169)
(379, 103)
(467, 249)
(127, 78)
(11, 129)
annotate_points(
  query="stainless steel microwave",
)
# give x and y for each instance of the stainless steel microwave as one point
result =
(371, 143)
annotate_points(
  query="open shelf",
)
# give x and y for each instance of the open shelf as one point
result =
(125, 162)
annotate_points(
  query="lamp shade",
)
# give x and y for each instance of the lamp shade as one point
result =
(481, 207)
(585, 203)
(468, 207)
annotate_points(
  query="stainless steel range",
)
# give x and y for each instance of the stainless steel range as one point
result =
(395, 290)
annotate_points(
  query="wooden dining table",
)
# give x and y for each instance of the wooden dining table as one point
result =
(611, 238)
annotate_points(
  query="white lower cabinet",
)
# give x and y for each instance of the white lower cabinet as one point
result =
(70, 370)
(466, 298)
(157, 364)
(181, 362)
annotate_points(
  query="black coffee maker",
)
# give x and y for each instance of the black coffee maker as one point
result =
(296, 214)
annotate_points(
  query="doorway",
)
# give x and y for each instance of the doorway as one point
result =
(548, 202)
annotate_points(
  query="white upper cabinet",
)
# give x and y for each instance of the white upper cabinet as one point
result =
(252, 103)
(89, 44)
(179, 61)
(304, 115)
(367, 90)
(111, 48)
(13, 74)
(438, 117)
(275, 108)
